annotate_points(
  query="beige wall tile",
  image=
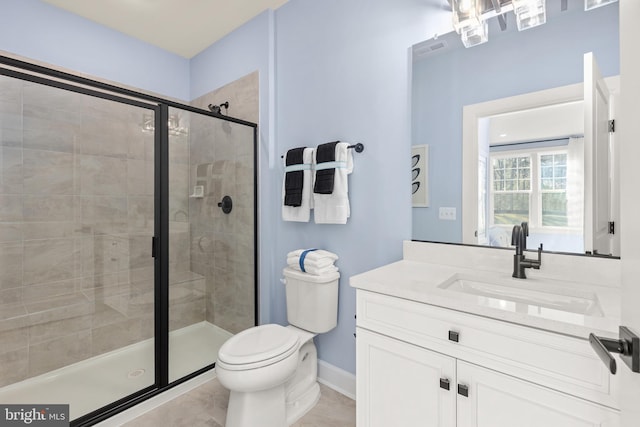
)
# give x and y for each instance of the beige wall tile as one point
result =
(48, 135)
(48, 260)
(59, 352)
(10, 137)
(116, 335)
(140, 251)
(103, 214)
(11, 207)
(14, 339)
(10, 170)
(10, 231)
(14, 366)
(48, 208)
(140, 177)
(10, 296)
(11, 255)
(44, 291)
(50, 330)
(111, 253)
(48, 172)
(140, 215)
(37, 95)
(102, 175)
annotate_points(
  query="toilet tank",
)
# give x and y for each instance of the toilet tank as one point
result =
(312, 301)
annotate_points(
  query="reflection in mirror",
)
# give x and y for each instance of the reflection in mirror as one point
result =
(505, 126)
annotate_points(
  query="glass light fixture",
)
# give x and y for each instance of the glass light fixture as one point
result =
(473, 36)
(466, 13)
(529, 13)
(592, 4)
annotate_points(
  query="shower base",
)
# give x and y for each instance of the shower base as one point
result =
(96, 382)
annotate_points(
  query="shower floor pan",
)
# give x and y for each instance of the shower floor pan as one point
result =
(96, 382)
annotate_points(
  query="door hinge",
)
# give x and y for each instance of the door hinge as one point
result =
(153, 246)
(612, 125)
(612, 227)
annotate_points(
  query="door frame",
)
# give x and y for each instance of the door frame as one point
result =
(628, 129)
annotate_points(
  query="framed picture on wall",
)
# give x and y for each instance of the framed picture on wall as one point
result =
(420, 176)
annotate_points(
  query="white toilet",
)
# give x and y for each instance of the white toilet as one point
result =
(272, 370)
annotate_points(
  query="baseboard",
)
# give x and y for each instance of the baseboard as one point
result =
(162, 398)
(337, 379)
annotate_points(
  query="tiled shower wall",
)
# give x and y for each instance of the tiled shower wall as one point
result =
(222, 246)
(76, 220)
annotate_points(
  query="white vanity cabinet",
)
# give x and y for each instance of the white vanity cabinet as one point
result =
(499, 374)
(400, 384)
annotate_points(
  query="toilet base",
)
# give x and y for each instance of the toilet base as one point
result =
(259, 408)
(298, 408)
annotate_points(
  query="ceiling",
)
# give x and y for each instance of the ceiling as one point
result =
(184, 27)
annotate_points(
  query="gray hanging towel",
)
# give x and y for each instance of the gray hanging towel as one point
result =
(324, 177)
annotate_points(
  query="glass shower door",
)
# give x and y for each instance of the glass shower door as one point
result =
(76, 223)
(211, 237)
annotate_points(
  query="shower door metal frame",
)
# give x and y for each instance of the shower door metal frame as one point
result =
(160, 240)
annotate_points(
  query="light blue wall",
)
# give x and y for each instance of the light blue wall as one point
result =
(509, 64)
(42, 32)
(343, 74)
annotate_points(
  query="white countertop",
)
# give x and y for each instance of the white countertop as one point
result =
(418, 281)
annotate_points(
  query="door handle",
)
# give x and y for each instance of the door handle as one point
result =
(454, 336)
(444, 383)
(628, 346)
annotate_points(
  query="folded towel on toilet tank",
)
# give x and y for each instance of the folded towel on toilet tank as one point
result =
(312, 261)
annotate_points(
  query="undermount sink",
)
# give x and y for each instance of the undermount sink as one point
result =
(530, 296)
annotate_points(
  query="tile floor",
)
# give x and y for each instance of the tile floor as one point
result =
(206, 406)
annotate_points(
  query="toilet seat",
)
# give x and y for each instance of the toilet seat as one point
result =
(257, 347)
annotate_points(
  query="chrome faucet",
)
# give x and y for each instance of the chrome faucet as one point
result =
(519, 240)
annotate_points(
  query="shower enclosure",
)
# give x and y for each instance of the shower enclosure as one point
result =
(120, 273)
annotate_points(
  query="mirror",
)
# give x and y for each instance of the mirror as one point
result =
(529, 87)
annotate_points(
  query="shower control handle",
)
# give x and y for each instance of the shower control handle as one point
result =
(226, 204)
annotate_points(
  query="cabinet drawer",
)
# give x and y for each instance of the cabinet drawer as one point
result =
(564, 363)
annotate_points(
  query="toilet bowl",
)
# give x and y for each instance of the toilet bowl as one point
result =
(272, 370)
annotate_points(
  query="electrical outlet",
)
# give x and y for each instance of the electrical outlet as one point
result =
(448, 214)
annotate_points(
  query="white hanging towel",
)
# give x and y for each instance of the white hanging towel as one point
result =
(334, 208)
(300, 213)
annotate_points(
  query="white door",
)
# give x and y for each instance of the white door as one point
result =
(498, 400)
(399, 384)
(628, 136)
(596, 145)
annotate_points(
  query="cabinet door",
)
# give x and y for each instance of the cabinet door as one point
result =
(398, 384)
(499, 400)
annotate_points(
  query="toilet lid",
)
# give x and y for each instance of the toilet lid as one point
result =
(261, 345)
